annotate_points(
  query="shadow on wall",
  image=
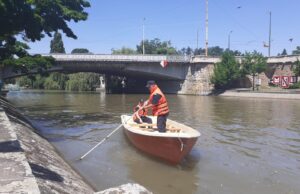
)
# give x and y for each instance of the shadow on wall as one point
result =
(138, 86)
(243, 83)
(44, 173)
(10, 146)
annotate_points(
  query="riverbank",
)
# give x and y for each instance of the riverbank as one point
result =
(30, 164)
(279, 94)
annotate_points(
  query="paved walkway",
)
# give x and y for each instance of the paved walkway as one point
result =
(260, 95)
(15, 173)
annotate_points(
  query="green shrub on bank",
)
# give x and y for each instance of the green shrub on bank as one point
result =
(295, 86)
(226, 72)
(83, 82)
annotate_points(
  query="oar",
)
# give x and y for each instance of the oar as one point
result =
(101, 141)
(106, 137)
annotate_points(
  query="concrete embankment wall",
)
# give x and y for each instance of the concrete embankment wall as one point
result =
(29, 163)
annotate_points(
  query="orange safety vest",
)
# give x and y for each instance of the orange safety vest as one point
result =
(162, 107)
(142, 112)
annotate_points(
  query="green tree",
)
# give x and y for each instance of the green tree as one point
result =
(215, 51)
(31, 20)
(82, 82)
(186, 51)
(226, 72)
(56, 80)
(252, 64)
(297, 68)
(80, 50)
(297, 51)
(123, 50)
(155, 46)
(56, 44)
(283, 53)
(236, 53)
(199, 51)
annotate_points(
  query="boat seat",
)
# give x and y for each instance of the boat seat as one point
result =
(173, 130)
(152, 127)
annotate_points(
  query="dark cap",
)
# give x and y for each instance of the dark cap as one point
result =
(141, 100)
(150, 83)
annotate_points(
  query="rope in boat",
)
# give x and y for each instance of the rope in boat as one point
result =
(181, 144)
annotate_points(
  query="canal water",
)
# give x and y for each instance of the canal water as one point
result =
(247, 145)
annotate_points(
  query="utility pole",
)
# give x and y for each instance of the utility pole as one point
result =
(206, 29)
(229, 40)
(143, 36)
(270, 28)
(197, 38)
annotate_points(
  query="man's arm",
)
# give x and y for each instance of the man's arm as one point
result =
(155, 100)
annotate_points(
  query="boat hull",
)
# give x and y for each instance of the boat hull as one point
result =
(169, 149)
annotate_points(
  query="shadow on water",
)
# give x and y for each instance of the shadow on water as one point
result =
(191, 160)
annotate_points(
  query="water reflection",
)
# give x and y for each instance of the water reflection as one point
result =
(160, 177)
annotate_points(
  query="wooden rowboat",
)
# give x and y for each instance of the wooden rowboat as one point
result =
(171, 146)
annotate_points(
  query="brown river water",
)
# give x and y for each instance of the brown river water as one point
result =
(247, 145)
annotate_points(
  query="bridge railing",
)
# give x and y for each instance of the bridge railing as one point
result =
(139, 58)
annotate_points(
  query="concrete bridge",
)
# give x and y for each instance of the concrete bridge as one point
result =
(183, 74)
(137, 66)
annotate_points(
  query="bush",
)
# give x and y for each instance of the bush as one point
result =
(226, 72)
(295, 86)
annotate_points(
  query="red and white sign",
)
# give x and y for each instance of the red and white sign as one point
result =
(276, 80)
(285, 81)
(164, 63)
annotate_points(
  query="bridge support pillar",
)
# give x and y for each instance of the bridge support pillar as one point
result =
(1, 79)
(197, 80)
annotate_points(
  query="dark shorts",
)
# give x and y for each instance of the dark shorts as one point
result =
(144, 119)
(161, 122)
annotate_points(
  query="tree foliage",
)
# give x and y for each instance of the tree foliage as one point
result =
(156, 46)
(56, 44)
(212, 51)
(82, 82)
(56, 80)
(297, 51)
(297, 68)
(252, 64)
(80, 50)
(284, 52)
(123, 50)
(187, 51)
(226, 72)
(215, 51)
(31, 20)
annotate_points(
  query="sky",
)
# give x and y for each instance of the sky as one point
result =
(115, 24)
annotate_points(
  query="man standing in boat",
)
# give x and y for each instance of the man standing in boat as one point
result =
(158, 102)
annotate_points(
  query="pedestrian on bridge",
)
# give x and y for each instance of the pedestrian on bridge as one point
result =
(158, 102)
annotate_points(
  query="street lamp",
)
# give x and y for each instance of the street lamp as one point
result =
(143, 36)
(229, 39)
(270, 28)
